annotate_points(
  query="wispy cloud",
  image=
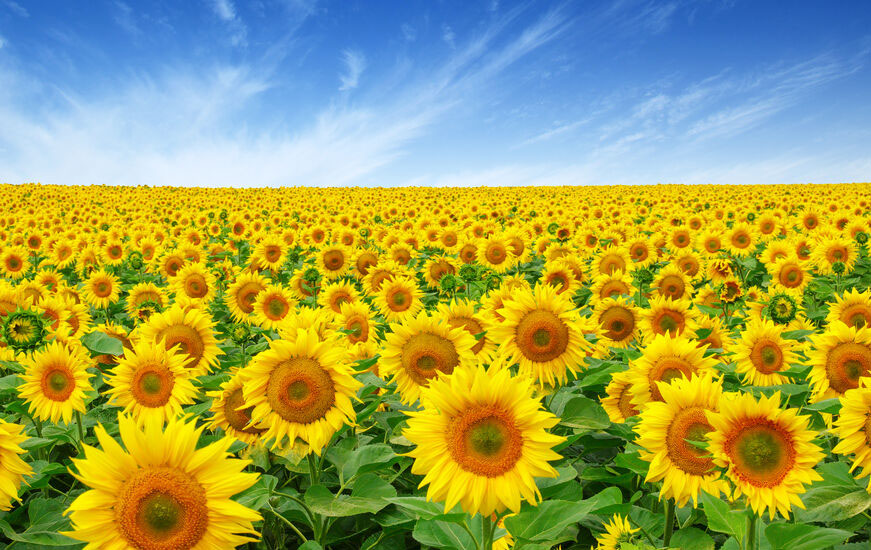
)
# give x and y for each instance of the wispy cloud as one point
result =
(16, 8)
(355, 64)
(125, 19)
(2, 42)
(226, 12)
(409, 33)
(127, 138)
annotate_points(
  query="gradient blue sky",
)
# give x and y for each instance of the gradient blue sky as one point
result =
(302, 92)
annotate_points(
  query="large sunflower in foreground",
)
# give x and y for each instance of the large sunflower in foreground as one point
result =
(841, 356)
(162, 492)
(12, 468)
(151, 381)
(663, 359)
(766, 450)
(762, 353)
(852, 429)
(415, 352)
(667, 431)
(299, 388)
(481, 440)
(190, 330)
(543, 333)
(54, 382)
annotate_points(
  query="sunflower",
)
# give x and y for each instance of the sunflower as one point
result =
(852, 309)
(436, 268)
(269, 253)
(667, 316)
(161, 492)
(150, 382)
(641, 251)
(494, 253)
(851, 427)
(334, 260)
(364, 261)
(614, 285)
(101, 289)
(841, 356)
(299, 388)
(272, 306)
(24, 330)
(55, 381)
(719, 271)
(689, 263)
(416, 351)
(543, 333)
(481, 440)
(355, 320)
(318, 320)
(399, 299)
(618, 320)
(762, 353)
(191, 330)
(766, 450)
(461, 313)
(13, 262)
(195, 282)
(617, 532)
(242, 294)
(717, 336)
(143, 299)
(618, 403)
(230, 414)
(666, 434)
(671, 282)
(559, 274)
(789, 275)
(12, 468)
(332, 296)
(611, 260)
(740, 240)
(830, 251)
(662, 360)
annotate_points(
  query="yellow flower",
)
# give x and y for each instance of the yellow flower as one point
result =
(55, 381)
(161, 492)
(12, 468)
(762, 353)
(481, 440)
(190, 330)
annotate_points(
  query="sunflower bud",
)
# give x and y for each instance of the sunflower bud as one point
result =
(781, 308)
(24, 330)
(861, 237)
(448, 282)
(468, 273)
(838, 268)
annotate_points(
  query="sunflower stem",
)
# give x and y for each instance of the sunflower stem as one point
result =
(313, 469)
(465, 526)
(752, 542)
(669, 524)
(289, 524)
(487, 528)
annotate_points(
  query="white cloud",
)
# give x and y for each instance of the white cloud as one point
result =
(2, 42)
(355, 64)
(190, 126)
(409, 33)
(16, 8)
(224, 9)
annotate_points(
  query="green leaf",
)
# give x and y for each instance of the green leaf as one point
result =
(801, 536)
(428, 510)
(369, 495)
(546, 521)
(443, 535)
(722, 519)
(584, 413)
(311, 545)
(367, 459)
(797, 334)
(837, 497)
(102, 343)
(690, 538)
(256, 496)
(831, 406)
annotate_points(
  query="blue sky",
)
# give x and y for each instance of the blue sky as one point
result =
(415, 92)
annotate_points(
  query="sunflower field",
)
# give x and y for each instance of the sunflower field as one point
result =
(531, 368)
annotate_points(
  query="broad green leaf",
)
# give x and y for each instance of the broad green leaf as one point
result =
(442, 535)
(102, 343)
(690, 538)
(722, 519)
(428, 510)
(585, 414)
(366, 459)
(801, 536)
(369, 495)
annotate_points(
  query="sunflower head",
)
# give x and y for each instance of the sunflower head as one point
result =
(781, 308)
(24, 330)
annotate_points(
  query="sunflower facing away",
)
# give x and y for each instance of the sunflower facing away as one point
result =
(162, 492)
(299, 388)
(481, 440)
(766, 450)
(151, 381)
(617, 531)
(415, 352)
(667, 431)
(543, 333)
(55, 381)
(12, 468)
